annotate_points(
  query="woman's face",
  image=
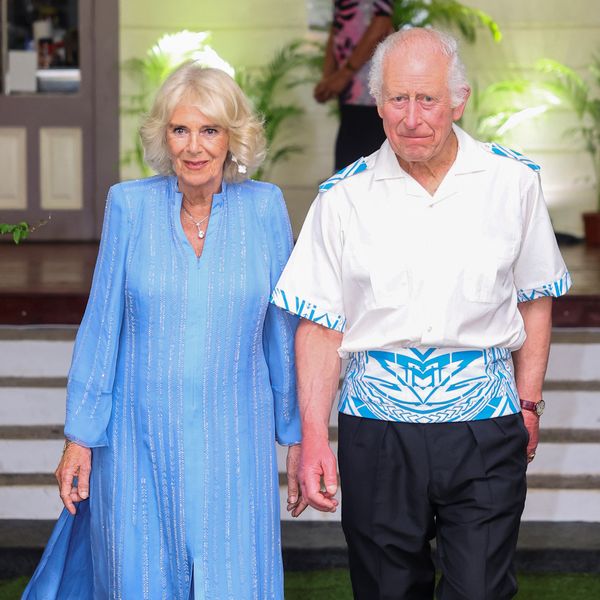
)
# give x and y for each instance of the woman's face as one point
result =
(198, 149)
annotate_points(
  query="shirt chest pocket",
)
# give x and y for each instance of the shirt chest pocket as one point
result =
(389, 283)
(488, 276)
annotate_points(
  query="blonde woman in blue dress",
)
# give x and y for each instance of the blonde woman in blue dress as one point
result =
(182, 377)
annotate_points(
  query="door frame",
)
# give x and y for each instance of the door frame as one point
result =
(99, 110)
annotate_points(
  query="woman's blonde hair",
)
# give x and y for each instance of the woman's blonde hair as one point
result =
(218, 97)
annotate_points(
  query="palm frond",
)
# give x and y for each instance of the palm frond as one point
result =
(565, 83)
(297, 63)
(285, 152)
(467, 20)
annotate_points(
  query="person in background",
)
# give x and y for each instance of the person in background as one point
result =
(431, 266)
(182, 377)
(357, 27)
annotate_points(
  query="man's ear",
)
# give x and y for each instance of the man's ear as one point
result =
(457, 111)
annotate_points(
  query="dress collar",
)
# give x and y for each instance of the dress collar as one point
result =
(218, 199)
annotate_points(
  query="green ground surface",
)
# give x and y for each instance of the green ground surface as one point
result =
(335, 585)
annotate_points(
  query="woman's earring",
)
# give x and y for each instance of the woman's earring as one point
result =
(241, 168)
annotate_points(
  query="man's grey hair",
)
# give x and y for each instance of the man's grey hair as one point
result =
(447, 45)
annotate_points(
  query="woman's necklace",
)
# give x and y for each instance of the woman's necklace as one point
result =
(198, 224)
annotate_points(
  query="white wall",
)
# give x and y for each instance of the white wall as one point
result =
(570, 33)
(248, 32)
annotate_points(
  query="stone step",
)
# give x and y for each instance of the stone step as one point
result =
(33, 406)
(41, 456)
(558, 435)
(28, 489)
(38, 356)
(35, 358)
(542, 547)
(548, 482)
(541, 505)
(563, 335)
(573, 362)
(48, 333)
(42, 502)
(42, 400)
(564, 480)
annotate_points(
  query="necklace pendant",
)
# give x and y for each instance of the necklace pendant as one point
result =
(200, 234)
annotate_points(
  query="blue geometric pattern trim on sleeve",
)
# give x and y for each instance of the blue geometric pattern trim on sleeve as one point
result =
(430, 385)
(503, 151)
(307, 310)
(554, 289)
(356, 167)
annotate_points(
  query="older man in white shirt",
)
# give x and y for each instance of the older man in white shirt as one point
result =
(431, 266)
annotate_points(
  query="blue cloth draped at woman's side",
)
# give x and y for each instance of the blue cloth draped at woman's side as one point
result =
(181, 381)
(64, 571)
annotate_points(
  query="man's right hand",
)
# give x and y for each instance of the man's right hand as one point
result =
(318, 463)
(76, 461)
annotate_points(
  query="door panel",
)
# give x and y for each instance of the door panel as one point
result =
(62, 150)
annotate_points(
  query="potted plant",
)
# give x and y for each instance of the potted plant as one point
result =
(504, 105)
(584, 99)
(296, 63)
(21, 230)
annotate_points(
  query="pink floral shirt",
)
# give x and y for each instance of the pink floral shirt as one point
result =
(351, 18)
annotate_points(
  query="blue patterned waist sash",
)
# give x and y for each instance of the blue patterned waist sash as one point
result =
(430, 385)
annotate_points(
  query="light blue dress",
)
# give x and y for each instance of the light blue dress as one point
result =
(182, 380)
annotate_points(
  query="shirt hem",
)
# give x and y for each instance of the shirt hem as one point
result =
(430, 421)
(307, 310)
(554, 290)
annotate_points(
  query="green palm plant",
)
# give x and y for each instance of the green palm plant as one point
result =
(420, 13)
(295, 63)
(149, 72)
(569, 89)
(501, 107)
(268, 88)
(504, 105)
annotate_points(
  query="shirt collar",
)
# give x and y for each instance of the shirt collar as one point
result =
(470, 158)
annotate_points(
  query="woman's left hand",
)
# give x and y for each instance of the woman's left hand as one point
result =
(295, 502)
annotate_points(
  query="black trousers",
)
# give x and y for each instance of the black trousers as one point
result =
(360, 134)
(404, 484)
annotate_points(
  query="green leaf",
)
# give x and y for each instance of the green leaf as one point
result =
(419, 13)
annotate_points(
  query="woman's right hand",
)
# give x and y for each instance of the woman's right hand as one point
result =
(76, 461)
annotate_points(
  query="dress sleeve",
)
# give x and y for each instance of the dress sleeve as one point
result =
(311, 283)
(279, 330)
(91, 376)
(539, 269)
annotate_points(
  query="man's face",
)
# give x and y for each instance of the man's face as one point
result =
(416, 107)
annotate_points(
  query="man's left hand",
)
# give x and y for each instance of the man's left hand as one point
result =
(532, 423)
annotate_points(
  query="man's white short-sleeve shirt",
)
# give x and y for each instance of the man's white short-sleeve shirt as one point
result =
(391, 266)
